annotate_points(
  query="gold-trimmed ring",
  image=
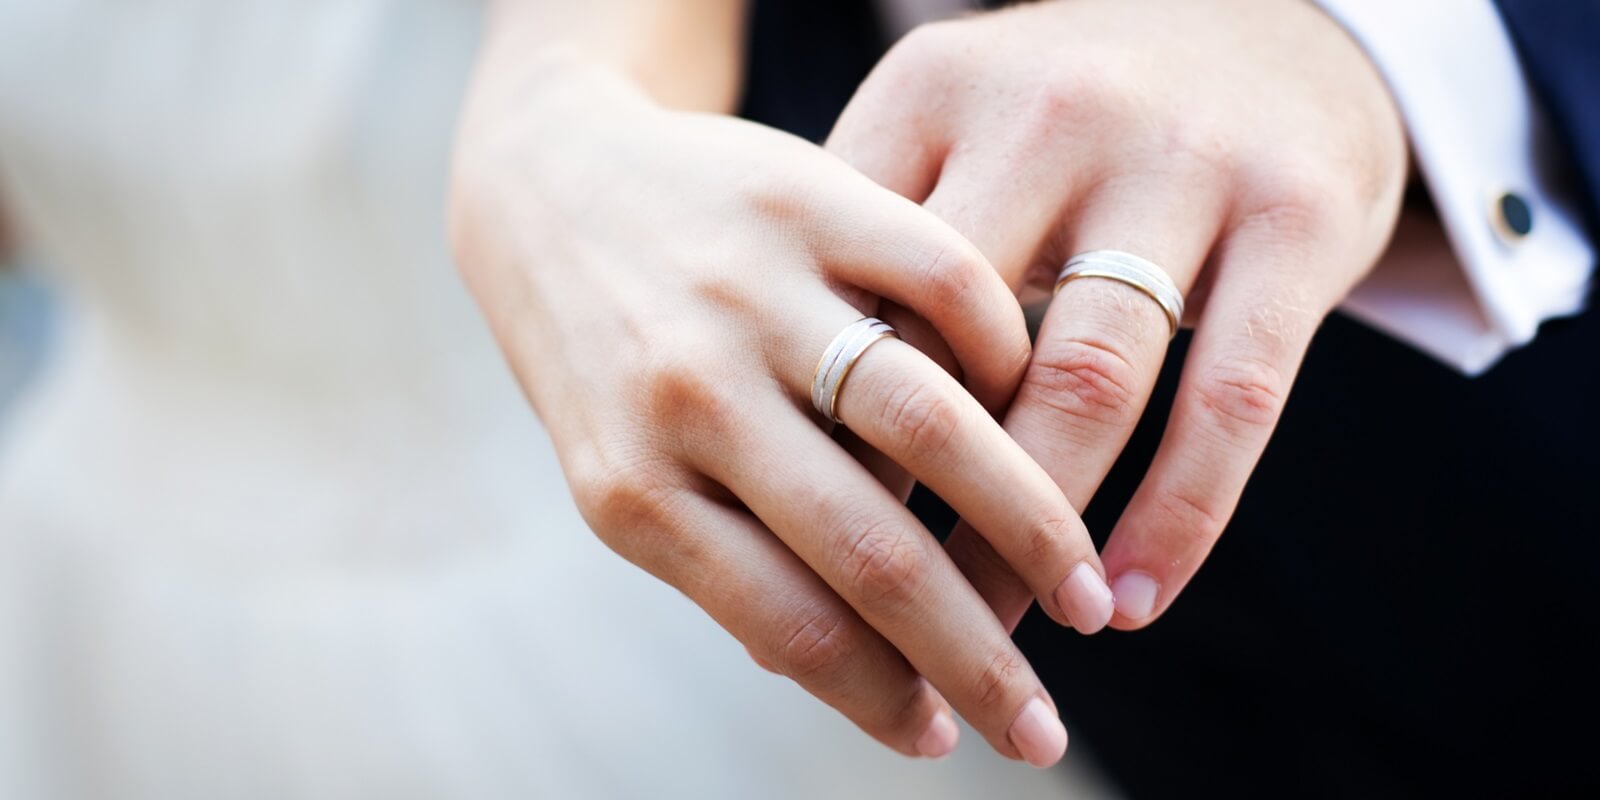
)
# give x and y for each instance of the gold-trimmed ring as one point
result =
(840, 357)
(1131, 270)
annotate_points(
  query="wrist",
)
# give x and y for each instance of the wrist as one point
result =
(684, 54)
(553, 82)
(530, 116)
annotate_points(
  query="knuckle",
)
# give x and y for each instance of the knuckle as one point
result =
(1242, 393)
(949, 279)
(1301, 203)
(726, 291)
(1085, 88)
(817, 649)
(635, 506)
(624, 506)
(685, 392)
(605, 501)
(1086, 379)
(1196, 520)
(592, 493)
(923, 419)
(992, 685)
(884, 567)
(777, 208)
(1044, 542)
(1196, 152)
(914, 66)
(780, 193)
(1052, 108)
(929, 46)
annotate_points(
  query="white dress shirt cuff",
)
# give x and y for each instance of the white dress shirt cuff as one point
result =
(1468, 294)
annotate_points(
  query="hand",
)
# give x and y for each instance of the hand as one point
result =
(663, 284)
(1246, 146)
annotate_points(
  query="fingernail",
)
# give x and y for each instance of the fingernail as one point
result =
(1085, 599)
(939, 740)
(1039, 734)
(1135, 594)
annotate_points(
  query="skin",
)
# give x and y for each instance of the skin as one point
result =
(1247, 146)
(663, 278)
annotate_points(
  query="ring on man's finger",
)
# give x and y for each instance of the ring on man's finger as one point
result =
(1129, 269)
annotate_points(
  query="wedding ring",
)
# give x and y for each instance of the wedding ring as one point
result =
(838, 359)
(1132, 270)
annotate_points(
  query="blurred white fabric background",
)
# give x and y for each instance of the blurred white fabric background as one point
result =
(25, 323)
(274, 520)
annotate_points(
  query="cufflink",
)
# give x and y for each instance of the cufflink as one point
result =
(1511, 217)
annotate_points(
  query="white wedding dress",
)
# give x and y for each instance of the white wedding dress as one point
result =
(276, 521)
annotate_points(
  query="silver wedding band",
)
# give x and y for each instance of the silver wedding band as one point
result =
(1132, 270)
(840, 357)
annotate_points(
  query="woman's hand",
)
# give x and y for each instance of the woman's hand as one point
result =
(663, 284)
(1246, 146)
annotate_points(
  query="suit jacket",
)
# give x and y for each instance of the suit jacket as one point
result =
(1556, 41)
(1404, 601)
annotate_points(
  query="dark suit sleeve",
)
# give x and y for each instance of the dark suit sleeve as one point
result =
(1558, 42)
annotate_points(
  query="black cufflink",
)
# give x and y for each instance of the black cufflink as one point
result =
(1511, 217)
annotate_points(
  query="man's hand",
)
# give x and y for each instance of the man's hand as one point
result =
(1246, 146)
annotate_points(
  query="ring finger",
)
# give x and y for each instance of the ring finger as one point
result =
(1097, 356)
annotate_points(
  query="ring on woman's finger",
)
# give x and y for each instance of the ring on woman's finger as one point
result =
(838, 359)
(1132, 270)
